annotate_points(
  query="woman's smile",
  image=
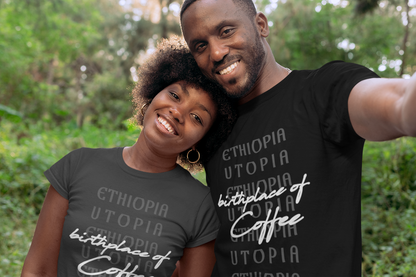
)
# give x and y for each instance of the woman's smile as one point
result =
(166, 126)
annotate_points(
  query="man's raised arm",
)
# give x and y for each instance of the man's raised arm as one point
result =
(384, 109)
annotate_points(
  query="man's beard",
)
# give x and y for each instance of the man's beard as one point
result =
(254, 59)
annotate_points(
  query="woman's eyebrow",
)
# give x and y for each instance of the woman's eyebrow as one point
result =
(183, 86)
(202, 107)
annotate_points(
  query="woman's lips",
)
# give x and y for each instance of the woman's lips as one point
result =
(166, 124)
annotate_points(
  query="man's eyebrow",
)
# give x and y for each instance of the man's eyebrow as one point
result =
(216, 28)
(221, 24)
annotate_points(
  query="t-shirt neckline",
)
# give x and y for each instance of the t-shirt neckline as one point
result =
(264, 97)
(174, 173)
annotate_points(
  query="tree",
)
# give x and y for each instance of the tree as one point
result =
(68, 60)
(37, 37)
(395, 8)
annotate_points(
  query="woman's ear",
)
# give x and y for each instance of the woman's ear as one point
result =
(262, 24)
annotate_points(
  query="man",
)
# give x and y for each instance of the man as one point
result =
(286, 183)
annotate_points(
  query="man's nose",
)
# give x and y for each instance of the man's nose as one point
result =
(218, 51)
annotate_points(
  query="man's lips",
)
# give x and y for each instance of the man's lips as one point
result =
(228, 69)
(167, 125)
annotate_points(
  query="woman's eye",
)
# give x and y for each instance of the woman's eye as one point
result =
(197, 118)
(174, 95)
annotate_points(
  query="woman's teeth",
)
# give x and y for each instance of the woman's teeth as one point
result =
(167, 125)
(228, 69)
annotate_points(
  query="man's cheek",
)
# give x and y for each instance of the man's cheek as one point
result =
(204, 66)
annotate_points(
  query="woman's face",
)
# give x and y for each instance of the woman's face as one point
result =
(178, 117)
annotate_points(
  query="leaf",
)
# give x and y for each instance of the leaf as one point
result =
(10, 114)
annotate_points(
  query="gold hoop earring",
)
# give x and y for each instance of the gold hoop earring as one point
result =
(141, 110)
(187, 156)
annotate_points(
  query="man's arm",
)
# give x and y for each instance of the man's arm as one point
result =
(383, 109)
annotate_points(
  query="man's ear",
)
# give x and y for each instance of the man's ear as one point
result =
(262, 24)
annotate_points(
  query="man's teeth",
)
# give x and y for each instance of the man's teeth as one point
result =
(167, 125)
(228, 69)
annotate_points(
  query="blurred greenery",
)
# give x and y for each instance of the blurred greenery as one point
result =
(389, 208)
(68, 67)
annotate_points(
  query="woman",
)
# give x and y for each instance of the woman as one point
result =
(133, 211)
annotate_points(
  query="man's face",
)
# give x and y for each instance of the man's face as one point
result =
(225, 43)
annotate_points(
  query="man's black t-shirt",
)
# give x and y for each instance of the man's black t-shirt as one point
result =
(286, 183)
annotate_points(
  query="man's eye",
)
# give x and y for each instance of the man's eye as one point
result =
(200, 47)
(174, 95)
(228, 31)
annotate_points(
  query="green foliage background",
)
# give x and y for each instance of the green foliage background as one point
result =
(67, 68)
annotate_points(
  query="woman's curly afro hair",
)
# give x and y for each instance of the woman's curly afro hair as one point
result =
(173, 62)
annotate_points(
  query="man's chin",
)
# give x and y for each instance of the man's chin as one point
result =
(235, 93)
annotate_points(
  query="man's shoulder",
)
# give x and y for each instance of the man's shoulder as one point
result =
(337, 69)
(339, 66)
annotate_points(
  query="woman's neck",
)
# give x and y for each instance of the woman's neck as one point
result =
(142, 158)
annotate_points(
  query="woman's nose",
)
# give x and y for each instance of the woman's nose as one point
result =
(176, 113)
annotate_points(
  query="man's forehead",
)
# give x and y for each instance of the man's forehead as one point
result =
(204, 7)
(209, 13)
(209, 2)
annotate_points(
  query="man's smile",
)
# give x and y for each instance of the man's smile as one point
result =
(229, 69)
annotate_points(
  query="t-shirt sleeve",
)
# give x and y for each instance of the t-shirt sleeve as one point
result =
(332, 86)
(60, 174)
(206, 224)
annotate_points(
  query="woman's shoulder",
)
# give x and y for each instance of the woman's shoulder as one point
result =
(84, 152)
(190, 182)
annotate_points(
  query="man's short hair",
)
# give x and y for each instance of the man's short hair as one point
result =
(247, 6)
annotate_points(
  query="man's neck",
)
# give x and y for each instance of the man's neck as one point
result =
(271, 74)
